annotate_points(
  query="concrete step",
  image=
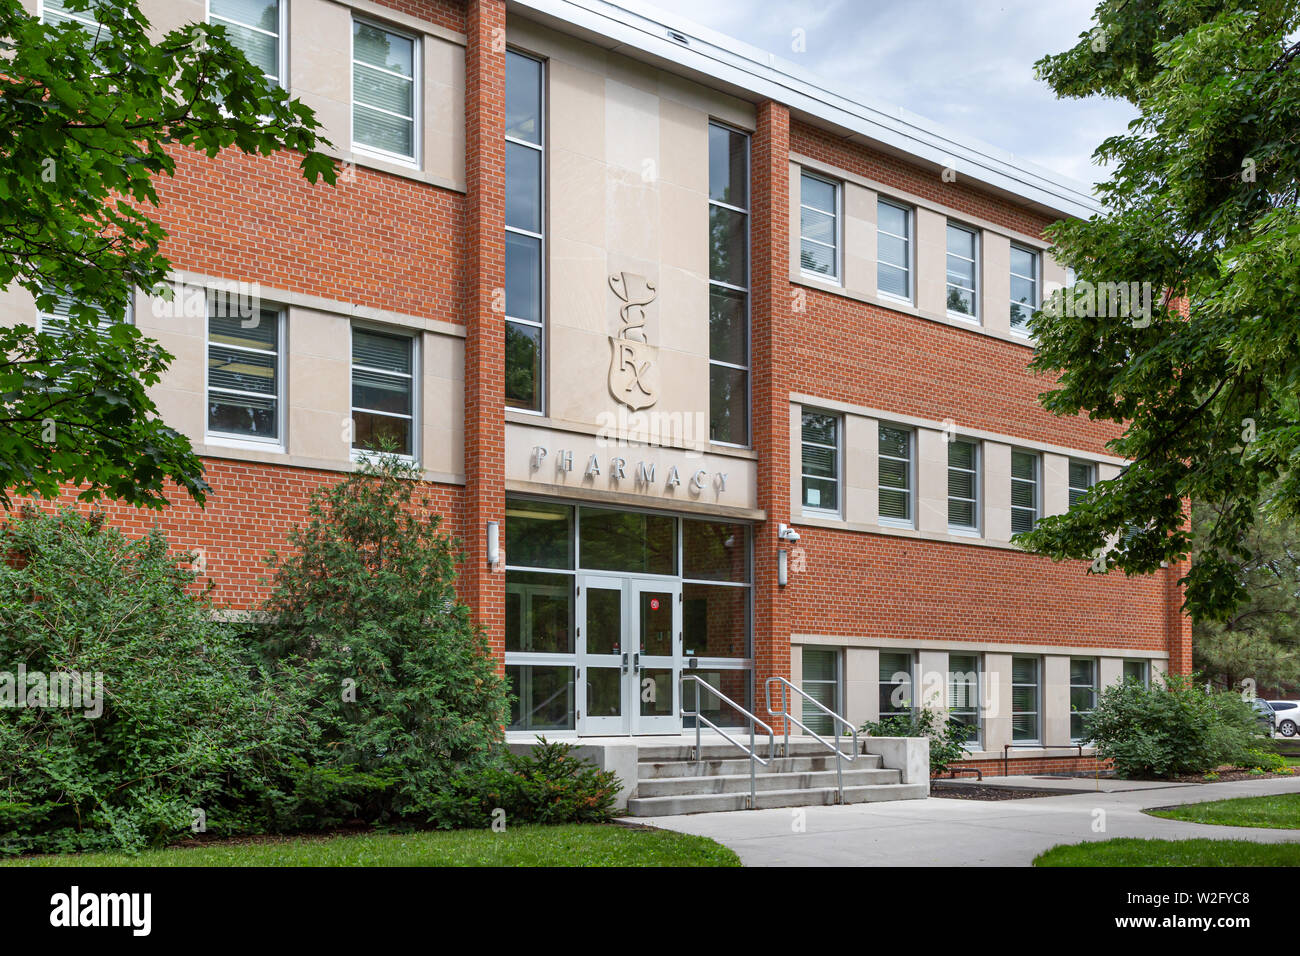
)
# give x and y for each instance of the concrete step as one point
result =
(657, 770)
(766, 799)
(724, 751)
(739, 783)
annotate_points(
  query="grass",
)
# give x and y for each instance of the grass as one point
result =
(1133, 852)
(1279, 811)
(569, 845)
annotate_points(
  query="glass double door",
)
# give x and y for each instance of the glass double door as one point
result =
(629, 652)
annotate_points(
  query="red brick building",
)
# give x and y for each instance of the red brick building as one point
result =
(714, 370)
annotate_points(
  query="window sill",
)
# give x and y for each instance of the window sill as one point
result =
(230, 441)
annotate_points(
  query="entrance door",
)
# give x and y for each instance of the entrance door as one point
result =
(629, 650)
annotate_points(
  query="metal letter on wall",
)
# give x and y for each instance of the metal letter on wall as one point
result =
(632, 362)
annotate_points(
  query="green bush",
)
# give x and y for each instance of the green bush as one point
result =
(947, 737)
(187, 722)
(546, 785)
(1171, 728)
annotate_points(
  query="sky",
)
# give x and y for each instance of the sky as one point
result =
(965, 64)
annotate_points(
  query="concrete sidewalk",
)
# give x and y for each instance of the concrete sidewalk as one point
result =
(951, 832)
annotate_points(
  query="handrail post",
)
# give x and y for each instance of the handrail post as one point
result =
(785, 720)
(753, 767)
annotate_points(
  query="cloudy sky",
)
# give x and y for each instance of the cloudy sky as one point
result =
(966, 64)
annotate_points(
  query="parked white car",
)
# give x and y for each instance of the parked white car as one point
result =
(1286, 716)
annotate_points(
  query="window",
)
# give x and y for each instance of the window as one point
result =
(1081, 479)
(821, 462)
(55, 321)
(55, 12)
(525, 240)
(1083, 695)
(821, 682)
(894, 249)
(895, 475)
(728, 285)
(962, 257)
(245, 377)
(895, 684)
(964, 695)
(383, 408)
(1024, 700)
(384, 92)
(1024, 287)
(1024, 491)
(1138, 671)
(963, 485)
(819, 226)
(256, 28)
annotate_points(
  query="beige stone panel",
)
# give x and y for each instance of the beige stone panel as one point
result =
(319, 393)
(796, 223)
(1106, 471)
(576, 98)
(931, 481)
(1054, 276)
(17, 306)
(442, 425)
(995, 277)
(861, 469)
(632, 227)
(859, 239)
(727, 109)
(320, 66)
(632, 129)
(579, 365)
(684, 219)
(578, 192)
(443, 109)
(996, 490)
(1055, 705)
(684, 389)
(684, 146)
(932, 677)
(578, 291)
(861, 684)
(30, 6)
(1056, 484)
(931, 260)
(180, 392)
(166, 15)
(996, 706)
(679, 318)
(1110, 670)
(796, 458)
(318, 435)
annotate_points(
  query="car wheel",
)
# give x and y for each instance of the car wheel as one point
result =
(1288, 728)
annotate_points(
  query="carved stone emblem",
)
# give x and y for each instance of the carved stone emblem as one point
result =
(633, 362)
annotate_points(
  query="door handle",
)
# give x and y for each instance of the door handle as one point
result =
(636, 663)
(625, 662)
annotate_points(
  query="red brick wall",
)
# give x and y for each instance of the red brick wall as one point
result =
(445, 13)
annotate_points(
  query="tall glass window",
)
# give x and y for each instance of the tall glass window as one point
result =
(819, 226)
(385, 95)
(1082, 475)
(1137, 671)
(55, 12)
(525, 239)
(245, 377)
(1024, 700)
(821, 462)
(963, 485)
(383, 387)
(963, 255)
(255, 27)
(894, 250)
(895, 684)
(1083, 695)
(895, 450)
(964, 695)
(1025, 498)
(821, 682)
(1024, 287)
(728, 285)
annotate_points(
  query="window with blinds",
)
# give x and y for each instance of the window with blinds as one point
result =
(1025, 711)
(525, 233)
(895, 478)
(821, 682)
(55, 12)
(384, 91)
(893, 250)
(383, 382)
(964, 695)
(255, 27)
(963, 485)
(55, 321)
(1137, 671)
(1083, 695)
(819, 226)
(245, 381)
(1025, 498)
(895, 684)
(962, 272)
(1082, 476)
(821, 462)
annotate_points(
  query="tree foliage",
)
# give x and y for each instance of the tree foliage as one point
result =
(88, 120)
(1203, 206)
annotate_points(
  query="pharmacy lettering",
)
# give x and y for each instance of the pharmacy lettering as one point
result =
(620, 474)
(632, 361)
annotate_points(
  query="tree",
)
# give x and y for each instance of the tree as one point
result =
(87, 120)
(1260, 641)
(400, 684)
(1202, 208)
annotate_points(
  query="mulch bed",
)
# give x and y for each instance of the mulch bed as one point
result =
(963, 792)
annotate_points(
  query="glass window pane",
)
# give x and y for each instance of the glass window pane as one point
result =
(523, 366)
(892, 280)
(961, 242)
(895, 504)
(819, 462)
(893, 251)
(821, 493)
(376, 350)
(728, 166)
(728, 326)
(728, 246)
(381, 131)
(715, 621)
(817, 193)
(381, 393)
(242, 371)
(1023, 262)
(262, 51)
(715, 550)
(961, 454)
(242, 415)
(378, 47)
(728, 405)
(374, 432)
(896, 442)
(538, 534)
(1081, 671)
(263, 14)
(892, 219)
(523, 277)
(961, 300)
(387, 93)
(539, 612)
(1024, 670)
(627, 541)
(818, 259)
(817, 225)
(523, 97)
(543, 697)
(1023, 465)
(523, 187)
(820, 428)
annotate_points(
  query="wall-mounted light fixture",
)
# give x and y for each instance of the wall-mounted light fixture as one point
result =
(782, 567)
(787, 533)
(493, 544)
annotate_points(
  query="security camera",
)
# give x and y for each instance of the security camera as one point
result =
(787, 533)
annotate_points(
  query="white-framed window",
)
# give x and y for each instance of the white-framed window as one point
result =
(55, 321)
(1138, 670)
(55, 12)
(819, 226)
(1026, 501)
(963, 485)
(257, 27)
(895, 447)
(728, 285)
(895, 684)
(1025, 292)
(384, 399)
(820, 469)
(1025, 700)
(964, 696)
(245, 385)
(385, 92)
(821, 682)
(1082, 476)
(893, 249)
(525, 232)
(1083, 695)
(962, 290)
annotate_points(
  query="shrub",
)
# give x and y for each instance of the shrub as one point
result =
(947, 737)
(396, 682)
(1171, 728)
(185, 724)
(546, 785)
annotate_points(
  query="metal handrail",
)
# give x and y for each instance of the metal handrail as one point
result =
(751, 751)
(789, 718)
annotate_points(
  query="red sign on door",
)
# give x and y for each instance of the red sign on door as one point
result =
(654, 604)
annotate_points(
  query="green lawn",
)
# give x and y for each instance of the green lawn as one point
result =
(1280, 811)
(571, 845)
(1131, 852)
